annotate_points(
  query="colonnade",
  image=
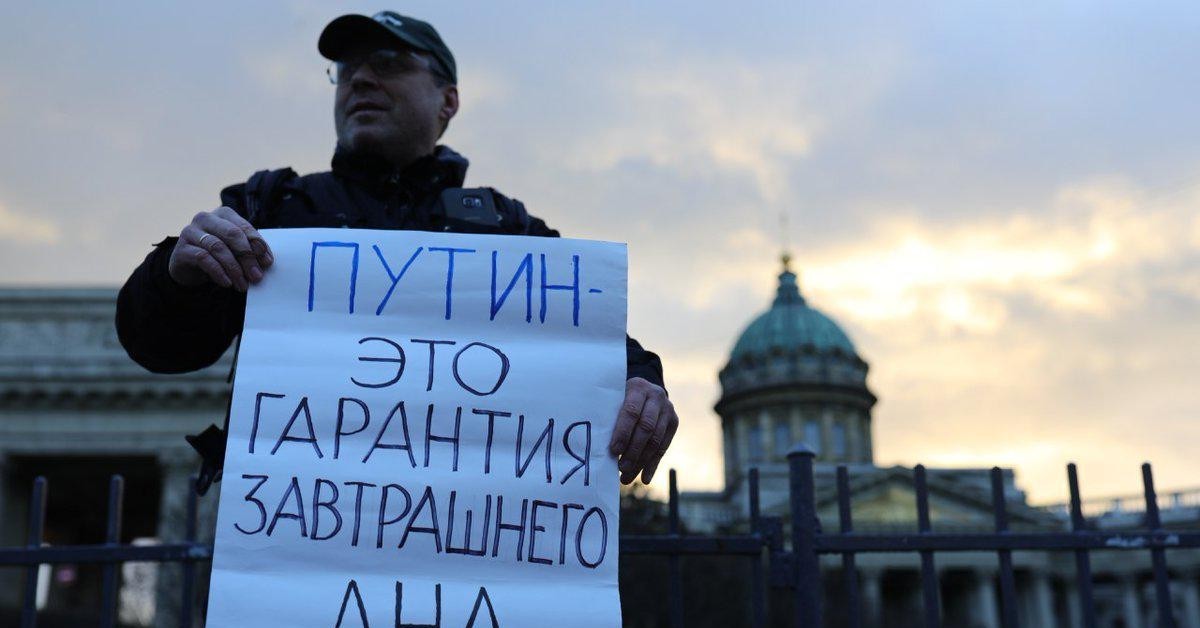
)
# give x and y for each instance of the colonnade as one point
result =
(1041, 604)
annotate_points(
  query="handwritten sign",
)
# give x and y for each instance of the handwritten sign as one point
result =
(419, 434)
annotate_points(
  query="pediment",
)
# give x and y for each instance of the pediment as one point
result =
(893, 503)
(59, 347)
(884, 498)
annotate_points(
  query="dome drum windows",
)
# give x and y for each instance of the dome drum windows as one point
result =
(754, 443)
(812, 435)
(783, 436)
(839, 443)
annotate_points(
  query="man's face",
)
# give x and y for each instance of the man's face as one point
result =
(391, 104)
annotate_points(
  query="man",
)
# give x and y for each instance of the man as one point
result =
(396, 93)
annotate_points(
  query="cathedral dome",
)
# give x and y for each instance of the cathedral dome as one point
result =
(793, 376)
(793, 344)
(791, 325)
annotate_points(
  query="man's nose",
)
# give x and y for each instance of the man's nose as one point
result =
(363, 77)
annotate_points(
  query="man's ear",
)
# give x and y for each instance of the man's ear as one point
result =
(449, 104)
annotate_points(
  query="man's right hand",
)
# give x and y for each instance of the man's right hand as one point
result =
(219, 247)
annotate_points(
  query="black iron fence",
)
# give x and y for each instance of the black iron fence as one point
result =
(774, 564)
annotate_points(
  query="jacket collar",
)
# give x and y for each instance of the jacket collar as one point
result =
(444, 168)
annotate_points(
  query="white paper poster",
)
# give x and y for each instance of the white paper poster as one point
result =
(419, 434)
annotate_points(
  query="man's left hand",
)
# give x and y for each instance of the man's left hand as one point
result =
(645, 426)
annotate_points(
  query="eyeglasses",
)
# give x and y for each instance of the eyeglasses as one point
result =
(385, 63)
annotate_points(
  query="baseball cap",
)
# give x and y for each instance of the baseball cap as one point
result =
(391, 27)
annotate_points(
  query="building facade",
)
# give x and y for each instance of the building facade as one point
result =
(793, 377)
(75, 409)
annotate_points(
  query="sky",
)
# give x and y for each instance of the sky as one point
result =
(996, 201)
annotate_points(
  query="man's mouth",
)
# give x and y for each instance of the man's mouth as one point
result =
(364, 107)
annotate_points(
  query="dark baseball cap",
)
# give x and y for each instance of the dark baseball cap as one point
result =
(387, 27)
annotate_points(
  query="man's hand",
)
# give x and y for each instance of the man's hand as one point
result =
(219, 247)
(645, 426)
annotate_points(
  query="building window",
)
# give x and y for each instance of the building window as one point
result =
(783, 437)
(839, 440)
(812, 436)
(754, 445)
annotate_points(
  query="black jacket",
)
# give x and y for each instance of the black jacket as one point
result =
(169, 328)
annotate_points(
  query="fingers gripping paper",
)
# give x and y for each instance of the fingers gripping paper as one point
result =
(419, 434)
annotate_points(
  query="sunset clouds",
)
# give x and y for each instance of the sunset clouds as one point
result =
(15, 226)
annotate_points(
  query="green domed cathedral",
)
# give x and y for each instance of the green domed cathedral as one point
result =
(794, 376)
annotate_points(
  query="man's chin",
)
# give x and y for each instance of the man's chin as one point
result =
(369, 141)
(384, 142)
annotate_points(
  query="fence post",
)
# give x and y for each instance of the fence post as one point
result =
(758, 614)
(112, 583)
(1083, 563)
(676, 603)
(189, 565)
(807, 581)
(1158, 557)
(37, 523)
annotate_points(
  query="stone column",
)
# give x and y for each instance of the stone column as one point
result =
(1043, 601)
(768, 435)
(206, 526)
(743, 441)
(797, 419)
(871, 595)
(729, 447)
(177, 468)
(1191, 600)
(1074, 614)
(850, 425)
(1131, 602)
(868, 444)
(985, 610)
(826, 430)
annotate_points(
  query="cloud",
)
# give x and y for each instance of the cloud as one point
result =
(282, 72)
(1075, 256)
(1029, 340)
(100, 128)
(700, 116)
(1017, 340)
(23, 228)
